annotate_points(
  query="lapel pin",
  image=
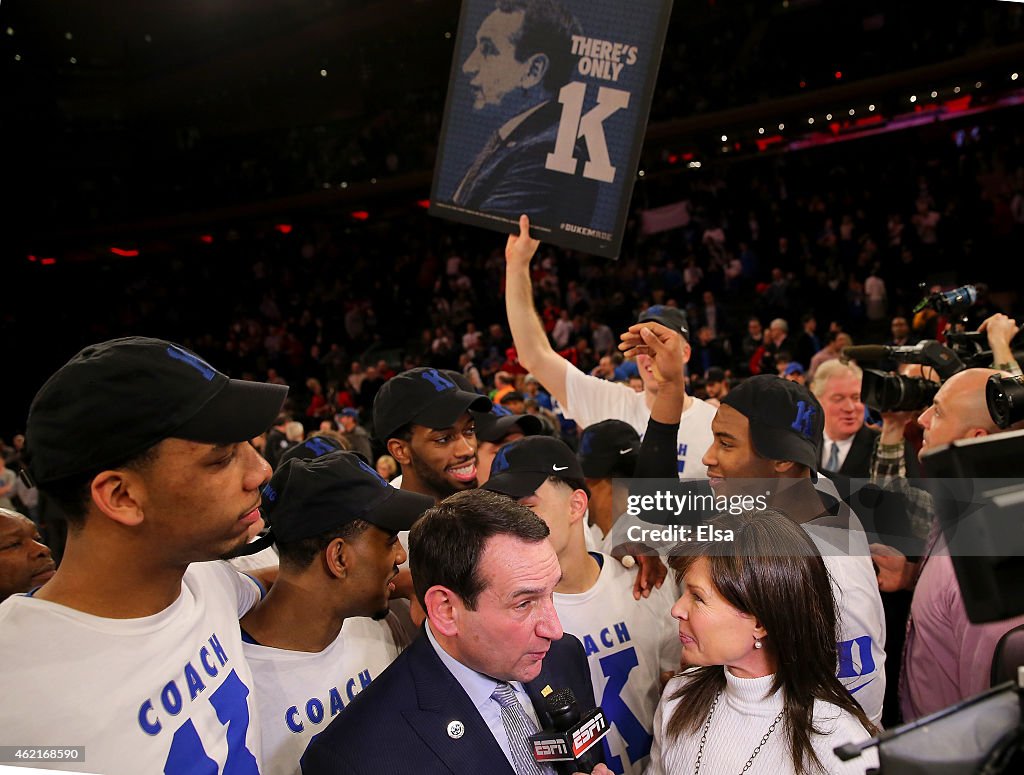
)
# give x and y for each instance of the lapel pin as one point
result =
(456, 729)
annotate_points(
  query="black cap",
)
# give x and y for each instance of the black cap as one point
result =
(786, 420)
(609, 448)
(116, 399)
(423, 396)
(310, 449)
(673, 317)
(521, 467)
(307, 498)
(714, 375)
(496, 424)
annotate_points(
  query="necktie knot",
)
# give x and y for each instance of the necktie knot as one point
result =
(504, 694)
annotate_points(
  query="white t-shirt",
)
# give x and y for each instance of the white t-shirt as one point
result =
(590, 400)
(265, 558)
(743, 715)
(628, 644)
(167, 693)
(299, 694)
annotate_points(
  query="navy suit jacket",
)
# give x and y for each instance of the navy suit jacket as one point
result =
(511, 178)
(399, 723)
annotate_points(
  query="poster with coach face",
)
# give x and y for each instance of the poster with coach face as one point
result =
(546, 114)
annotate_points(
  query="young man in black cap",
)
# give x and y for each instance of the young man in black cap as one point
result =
(768, 434)
(629, 643)
(254, 558)
(423, 418)
(767, 442)
(587, 399)
(335, 522)
(132, 649)
(608, 450)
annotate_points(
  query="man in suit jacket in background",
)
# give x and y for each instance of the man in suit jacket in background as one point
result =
(848, 443)
(523, 57)
(465, 697)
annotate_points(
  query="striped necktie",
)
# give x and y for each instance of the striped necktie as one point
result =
(518, 727)
(833, 458)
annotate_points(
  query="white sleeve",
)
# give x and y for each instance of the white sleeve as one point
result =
(590, 400)
(267, 558)
(244, 588)
(862, 631)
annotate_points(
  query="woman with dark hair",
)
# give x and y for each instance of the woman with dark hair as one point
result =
(759, 693)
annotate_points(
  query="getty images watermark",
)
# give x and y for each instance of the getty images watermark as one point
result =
(976, 517)
(691, 511)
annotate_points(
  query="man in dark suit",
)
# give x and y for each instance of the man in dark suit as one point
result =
(848, 443)
(523, 56)
(466, 695)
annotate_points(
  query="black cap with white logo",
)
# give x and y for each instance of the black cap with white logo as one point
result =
(521, 467)
(609, 448)
(673, 317)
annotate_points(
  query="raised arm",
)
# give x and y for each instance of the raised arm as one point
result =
(1001, 330)
(665, 346)
(528, 335)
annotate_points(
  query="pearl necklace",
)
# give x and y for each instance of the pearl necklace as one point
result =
(704, 738)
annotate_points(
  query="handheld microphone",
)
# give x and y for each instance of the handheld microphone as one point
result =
(928, 352)
(570, 745)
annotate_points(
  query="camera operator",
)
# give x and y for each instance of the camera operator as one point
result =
(946, 658)
(1000, 331)
(888, 462)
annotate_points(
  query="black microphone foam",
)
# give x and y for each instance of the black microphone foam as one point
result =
(866, 352)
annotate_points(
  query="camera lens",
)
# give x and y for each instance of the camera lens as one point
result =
(1005, 399)
(885, 392)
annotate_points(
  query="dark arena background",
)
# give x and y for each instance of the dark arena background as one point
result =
(251, 179)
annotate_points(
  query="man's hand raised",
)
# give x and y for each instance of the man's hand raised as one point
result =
(520, 248)
(665, 346)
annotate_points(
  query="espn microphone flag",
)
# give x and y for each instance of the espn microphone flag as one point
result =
(570, 745)
(571, 737)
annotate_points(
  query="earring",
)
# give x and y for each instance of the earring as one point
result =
(757, 643)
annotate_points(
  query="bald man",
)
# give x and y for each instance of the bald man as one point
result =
(947, 658)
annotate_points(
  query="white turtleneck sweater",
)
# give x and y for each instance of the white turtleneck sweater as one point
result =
(744, 713)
